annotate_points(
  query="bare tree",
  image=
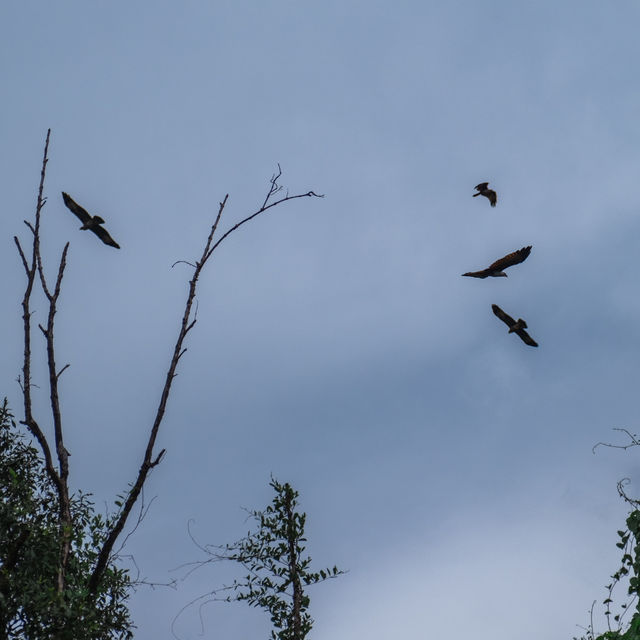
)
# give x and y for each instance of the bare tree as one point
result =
(58, 468)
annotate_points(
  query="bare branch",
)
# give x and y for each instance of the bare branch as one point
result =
(158, 458)
(147, 463)
(66, 366)
(37, 433)
(142, 513)
(186, 325)
(187, 606)
(66, 520)
(63, 262)
(137, 580)
(623, 494)
(30, 269)
(33, 231)
(634, 441)
(19, 381)
(59, 479)
(53, 375)
(21, 252)
(43, 281)
(273, 189)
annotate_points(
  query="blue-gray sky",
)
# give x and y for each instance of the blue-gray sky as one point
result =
(440, 460)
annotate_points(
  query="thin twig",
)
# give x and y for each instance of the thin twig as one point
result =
(21, 252)
(142, 513)
(66, 366)
(262, 209)
(634, 441)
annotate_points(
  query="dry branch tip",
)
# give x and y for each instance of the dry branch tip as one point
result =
(158, 459)
(66, 366)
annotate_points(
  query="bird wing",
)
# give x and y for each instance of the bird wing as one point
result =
(492, 195)
(505, 317)
(509, 260)
(75, 208)
(526, 338)
(482, 186)
(477, 274)
(103, 234)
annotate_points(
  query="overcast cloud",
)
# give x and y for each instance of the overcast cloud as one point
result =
(444, 463)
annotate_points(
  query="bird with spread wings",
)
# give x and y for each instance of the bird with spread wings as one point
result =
(496, 270)
(518, 326)
(93, 223)
(483, 190)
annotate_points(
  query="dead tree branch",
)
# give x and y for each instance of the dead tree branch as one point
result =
(633, 441)
(59, 477)
(66, 521)
(273, 189)
(30, 271)
(187, 323)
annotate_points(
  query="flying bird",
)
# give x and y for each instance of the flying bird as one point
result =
(93, 223)
(496, 270)
(515, 327)
(483, 190)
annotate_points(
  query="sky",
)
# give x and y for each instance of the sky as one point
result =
(442, 462)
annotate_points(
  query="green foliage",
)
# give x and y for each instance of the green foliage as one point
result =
(30, 606)
(629, 544)
(277, 570)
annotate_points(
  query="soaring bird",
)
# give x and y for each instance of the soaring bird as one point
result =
(89, 222)
(483, 190)
(515, 327)
(496, 270)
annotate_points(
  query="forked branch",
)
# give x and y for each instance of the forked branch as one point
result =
(633, 441)
(187, 323)
(274, 188)
(58, 477)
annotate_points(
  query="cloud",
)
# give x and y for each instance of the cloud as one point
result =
(491, 576)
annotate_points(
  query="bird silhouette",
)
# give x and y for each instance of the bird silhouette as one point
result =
(92, 223)
(518, 326)
(483, 190)
(496, 270)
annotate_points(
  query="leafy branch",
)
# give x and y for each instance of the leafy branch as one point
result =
(277, 571)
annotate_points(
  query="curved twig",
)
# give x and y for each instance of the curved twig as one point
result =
(262, 209)
(632, 436)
